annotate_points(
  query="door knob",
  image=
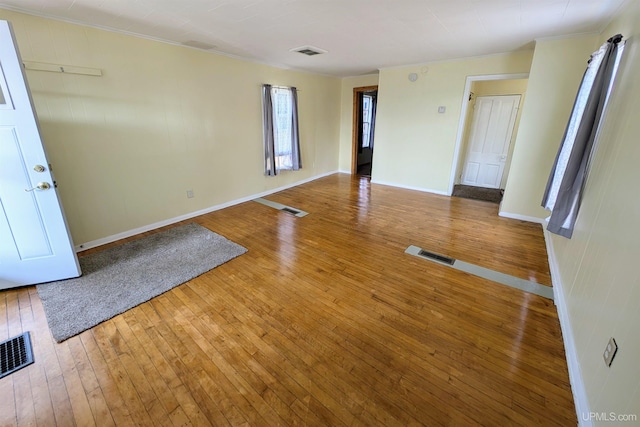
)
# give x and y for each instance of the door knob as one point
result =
(40, 186)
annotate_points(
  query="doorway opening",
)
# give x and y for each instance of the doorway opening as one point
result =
(365, 101)
(486, 134)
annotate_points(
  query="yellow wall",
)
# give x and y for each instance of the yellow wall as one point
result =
(346, 117)
(414, 143)
(492, 88)
(162, 119)
(556, 71)
(598, 266)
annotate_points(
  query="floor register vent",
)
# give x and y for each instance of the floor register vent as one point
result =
(290, 210)
(15, 354)
(284, 208)
(485, 273)
(436, 257)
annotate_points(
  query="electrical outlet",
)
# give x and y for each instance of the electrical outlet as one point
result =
(610, 351)
(189, 194)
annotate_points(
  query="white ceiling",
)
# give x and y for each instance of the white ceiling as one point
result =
(361, 36)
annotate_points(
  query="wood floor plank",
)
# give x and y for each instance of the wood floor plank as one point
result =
(301, 331)
(60, 401)
(77, 395)
(95, 397)
(8, 416)
(8, 404)
(148, 384)
(41, 396)
(14, 323)
(297, 363)
(4, 316)
(278, 398)
(25, 410)
(309, 363)
(114, 400)
(324, 321)
(103, 334)
(169, 388)
(211, 401)
(242, 396)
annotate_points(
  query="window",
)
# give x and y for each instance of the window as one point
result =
(568, 176)
(280, 128)
(367, 114)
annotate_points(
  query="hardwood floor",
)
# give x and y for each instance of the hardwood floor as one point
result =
(324, 322)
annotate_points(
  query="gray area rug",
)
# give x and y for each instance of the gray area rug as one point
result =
(122, 277)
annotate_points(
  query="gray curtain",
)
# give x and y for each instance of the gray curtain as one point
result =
(295, 133)
(271, 166)
(267, 131)
(564, 199)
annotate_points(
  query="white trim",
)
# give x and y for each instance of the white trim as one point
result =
(409, 187)
(463, 117)
(133, 232)
(571, 36)
(344, 171)
(522, 217)
(573, 364)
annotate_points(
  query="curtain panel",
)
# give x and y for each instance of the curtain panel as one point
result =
(568, 176)
(267, 132)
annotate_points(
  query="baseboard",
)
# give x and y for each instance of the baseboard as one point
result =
(143, 229)
(345, 171)
(408, 187)
(521, 217)
(573, 364)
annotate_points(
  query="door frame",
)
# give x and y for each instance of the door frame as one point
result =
(457, 153)
(354, 125)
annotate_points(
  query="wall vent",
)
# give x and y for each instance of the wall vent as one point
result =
(15, 354)
(309, 50)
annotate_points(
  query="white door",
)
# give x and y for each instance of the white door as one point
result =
(35, 245)
(491, 130)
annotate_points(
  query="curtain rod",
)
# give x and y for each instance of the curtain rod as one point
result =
(283, 87)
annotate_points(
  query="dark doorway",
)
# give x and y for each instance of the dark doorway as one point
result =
(364, 119)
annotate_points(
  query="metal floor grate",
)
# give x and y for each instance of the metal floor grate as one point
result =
(437, 257)
(289, 210)
(15, 354)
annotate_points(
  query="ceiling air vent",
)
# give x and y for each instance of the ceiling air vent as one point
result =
(309, 50)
